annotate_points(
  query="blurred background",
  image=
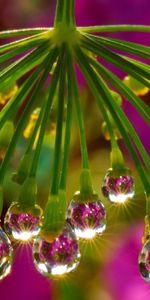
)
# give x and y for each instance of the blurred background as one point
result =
(108, 269)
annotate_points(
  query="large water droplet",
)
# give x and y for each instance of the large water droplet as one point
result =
(22, 225)
(59, 256)
(6, 252)
(88, 219)
(118, 188)
(144, 262)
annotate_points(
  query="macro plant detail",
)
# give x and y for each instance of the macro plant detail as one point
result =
(47, 58)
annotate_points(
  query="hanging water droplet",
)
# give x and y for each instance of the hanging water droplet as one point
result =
(59, 256)
(6, 252)
(118, 187)
(144, 261)
(88, 219)
(22, 225)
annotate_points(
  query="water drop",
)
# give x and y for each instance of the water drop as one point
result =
(58, 257)
(22, 225)
(144, 261)
(6, 252)
(118, 187)
(88, 219)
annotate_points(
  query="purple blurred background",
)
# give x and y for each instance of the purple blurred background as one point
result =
(108, 271)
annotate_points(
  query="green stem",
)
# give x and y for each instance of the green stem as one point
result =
(116, 28)
(100, 69)
(98, 87)
(34, 40)
(114, 143)
(86, 187)
(79, 115)
(20, 49)
(117, 161)
(115, 59)
(51, 58)
(63, 178)
(58, 141)
(139, 105)
(44, 117)
(22, 32)
(23, 65)
(142, 65)
(65, 14)
(11, 107)
(136, 49)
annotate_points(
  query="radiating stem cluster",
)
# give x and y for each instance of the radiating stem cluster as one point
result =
(58, 50)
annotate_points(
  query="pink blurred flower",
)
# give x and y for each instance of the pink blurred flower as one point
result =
(25, 282)
(123, 278)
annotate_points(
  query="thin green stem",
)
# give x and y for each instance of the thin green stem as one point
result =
(25, 114)
(32, 40)
(139, 105)
(98, 87)
(128, 125)
(117, 161)
(115, 59)
(86, 187)
(136, 49)
(130, 129)
(20, 49)
(45, 114)
(63, 178)
(114, 143)
(58, 140)
(142, 65)
(12, 106)
(115, 28)
(22, 32)
(23, 65)
(80, 121)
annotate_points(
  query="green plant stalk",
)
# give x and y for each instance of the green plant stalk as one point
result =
(116, 156)
(34, 40)
(86, 187)
(117, 161)
(20, 49)
(88, 29)
(136, 49)
(129, 45)
(145, 156)
(45, 115)
(142, 65)
(12, 106)
(21, 32)
(117, 60)
(23, 65)
(115, 28)
(63, 179)
(139, 105)
(80, 121)
(98, 88)
(51, 58)
(64, 14)
(59, 127)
